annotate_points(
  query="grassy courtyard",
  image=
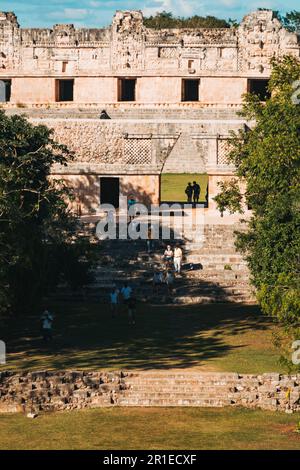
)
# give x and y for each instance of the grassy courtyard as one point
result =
(173, 186)
(151, 428)
(206, 337)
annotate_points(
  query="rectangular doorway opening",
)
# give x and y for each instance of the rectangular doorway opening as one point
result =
(5, 91)
(110, 191)
(126, 89)
(64, 90)
(259, 87)
(190, 90)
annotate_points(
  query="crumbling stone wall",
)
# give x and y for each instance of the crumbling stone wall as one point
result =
(55, 391)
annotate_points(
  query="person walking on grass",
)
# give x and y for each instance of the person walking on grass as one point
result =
(177, 259)
(47, 322)
(114, 301)
(131, 309)
(126, 293)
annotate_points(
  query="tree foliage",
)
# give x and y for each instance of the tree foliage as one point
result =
(291, 21)
(36, 228)
(267, 156)
(166, 20)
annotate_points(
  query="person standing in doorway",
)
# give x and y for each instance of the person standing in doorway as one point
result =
(189, 192)
(196, 192)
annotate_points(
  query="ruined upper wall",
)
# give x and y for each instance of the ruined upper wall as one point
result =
(127, 46)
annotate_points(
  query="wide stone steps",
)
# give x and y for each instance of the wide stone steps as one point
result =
(219, 273)
(178, 390)
(168, 402)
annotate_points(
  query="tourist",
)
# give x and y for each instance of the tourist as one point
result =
(169, 280)
(131, 308)
(157, 280)
(168, 256)
(177, 259)
(149, 241)
(114, 301)
(47, 322)
(189, 192)
(196, 192)
(126, 292)
(131, 202)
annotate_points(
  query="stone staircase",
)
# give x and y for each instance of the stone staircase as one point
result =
(178, 389)
(184, 157)
(213, 272)
(43, 391)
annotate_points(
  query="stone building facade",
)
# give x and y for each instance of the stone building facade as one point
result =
(172, 96)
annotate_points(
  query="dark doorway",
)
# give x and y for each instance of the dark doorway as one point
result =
(5, 91)
(190, 90)
(126, 90)
(64, 90)
(110, 191)
(259, 87)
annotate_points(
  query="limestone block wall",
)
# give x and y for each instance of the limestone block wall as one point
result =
(86, 189)
(143, 145)
(137, 152)
(68, 390)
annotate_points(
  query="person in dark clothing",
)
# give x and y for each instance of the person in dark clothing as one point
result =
(189, 192)
(131, 308)
(196, 192)
(206, 196)
(104, 115)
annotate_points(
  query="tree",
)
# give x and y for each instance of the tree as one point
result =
(267, 158)
(36, 228)
(291, 21)
(166, 20)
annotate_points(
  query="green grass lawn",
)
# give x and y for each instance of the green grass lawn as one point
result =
(205, 337)
(173, 186)
(151, 428)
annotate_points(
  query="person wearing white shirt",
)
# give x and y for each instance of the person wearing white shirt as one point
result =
(177, 259)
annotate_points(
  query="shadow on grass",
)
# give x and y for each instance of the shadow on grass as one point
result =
(164, 337)
(86, 337)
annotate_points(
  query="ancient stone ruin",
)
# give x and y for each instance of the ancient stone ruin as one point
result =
(57, 391)
(172, 94)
